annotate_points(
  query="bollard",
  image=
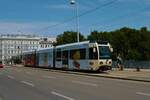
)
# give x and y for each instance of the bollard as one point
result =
(137, 68)
(121, 67)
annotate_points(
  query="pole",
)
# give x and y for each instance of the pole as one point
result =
(73, 2)
(77, 22)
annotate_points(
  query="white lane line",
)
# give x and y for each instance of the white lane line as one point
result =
(28, 73)
(50, 77)
(63, 96)
(144, 94)
(84, 83)
(18, 70)
(11, 77)
(1, 98)
(27, 83)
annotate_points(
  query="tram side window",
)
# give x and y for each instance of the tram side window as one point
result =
(93, 53)
(29, 56)
(82, 53)
(37, 58)
(58, 55)
(65, 54)
(78, 54)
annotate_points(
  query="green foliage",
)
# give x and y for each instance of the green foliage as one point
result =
(95, 35)
(130, 43)
(68, 37)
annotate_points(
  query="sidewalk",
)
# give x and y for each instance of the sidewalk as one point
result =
(128, 74)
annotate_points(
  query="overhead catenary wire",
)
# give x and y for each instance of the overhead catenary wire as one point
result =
(80, 15)
(122, 17)
(88, 3)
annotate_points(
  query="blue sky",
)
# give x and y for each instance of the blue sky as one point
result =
(38, 16)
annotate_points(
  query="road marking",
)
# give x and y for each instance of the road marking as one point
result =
(27, 83)
(1, 98)
(63, 96)
(28, 72)
(51, 77)
(84, 83)
(141, 93)
(11, 77)
(18, 70)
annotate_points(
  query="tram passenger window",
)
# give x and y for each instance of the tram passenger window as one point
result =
(72, 53)
(82, 53)
(78, 54)
(58, 56)
(65, 54)
(93, 53)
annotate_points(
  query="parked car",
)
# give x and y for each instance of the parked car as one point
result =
(1, 64)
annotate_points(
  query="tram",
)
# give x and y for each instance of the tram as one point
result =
(87, 55)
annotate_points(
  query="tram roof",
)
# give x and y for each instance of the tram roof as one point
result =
(44, 49)
(72, 44)
(82, 43)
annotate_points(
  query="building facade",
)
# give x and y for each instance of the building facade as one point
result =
(46, 42)
(13, 45)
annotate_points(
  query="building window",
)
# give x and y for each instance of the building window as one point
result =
(11, 51)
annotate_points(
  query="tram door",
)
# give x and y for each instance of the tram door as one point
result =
(65, 59)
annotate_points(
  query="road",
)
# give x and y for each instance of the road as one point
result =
(24, 83)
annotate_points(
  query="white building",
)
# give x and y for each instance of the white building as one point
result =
(46, 42)
(13, 45)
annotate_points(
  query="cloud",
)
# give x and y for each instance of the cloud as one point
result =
(147, 1)
(142, 1)
(62, 6)
(22, 28)
(66, 7)
(36, 28)
(146, 13)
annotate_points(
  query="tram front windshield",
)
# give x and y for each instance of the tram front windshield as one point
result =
(104, 52)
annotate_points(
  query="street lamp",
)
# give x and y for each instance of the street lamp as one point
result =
(74, 2)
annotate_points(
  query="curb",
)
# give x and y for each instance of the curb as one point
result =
(112, 77)
(87, 74)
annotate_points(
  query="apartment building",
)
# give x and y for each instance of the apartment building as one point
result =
(14, 44)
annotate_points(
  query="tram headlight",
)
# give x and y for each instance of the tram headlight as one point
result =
(109, 62)
(101, 63)
(91, 63)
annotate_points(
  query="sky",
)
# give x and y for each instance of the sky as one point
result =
(53, 17)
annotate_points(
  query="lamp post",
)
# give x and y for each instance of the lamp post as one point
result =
(74, 2)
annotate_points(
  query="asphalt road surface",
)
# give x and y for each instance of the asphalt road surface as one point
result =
(24, 83)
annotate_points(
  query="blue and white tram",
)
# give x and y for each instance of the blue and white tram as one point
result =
(45, 57)
(84, 56)
(29, 58)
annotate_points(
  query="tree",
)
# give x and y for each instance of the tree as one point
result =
(130, 43)
(68, 37)
(95, 35)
